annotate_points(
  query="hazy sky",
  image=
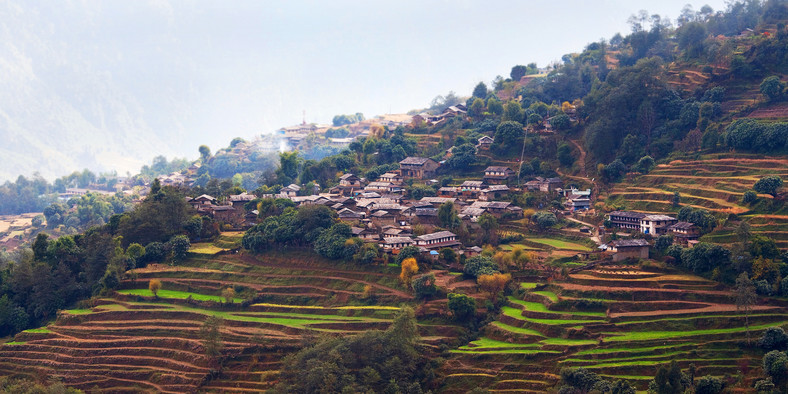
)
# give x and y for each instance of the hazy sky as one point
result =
(111, 84)
(375, 57)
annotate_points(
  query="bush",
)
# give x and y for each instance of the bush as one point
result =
(774, 338)
(708, 385)
(544, 219)
(461, 306)
(762, 287)
(424, 286)
(480, 265)
(749, 197)
(775, 365)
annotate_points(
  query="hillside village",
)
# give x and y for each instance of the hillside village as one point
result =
(616, 224)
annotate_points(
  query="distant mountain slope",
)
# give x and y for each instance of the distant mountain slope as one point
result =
(66, 106)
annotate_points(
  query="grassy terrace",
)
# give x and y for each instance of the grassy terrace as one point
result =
(174, 294)
(517, 330)
(549, 294)
(559, 244)
(539, 307)
(517, 314)
(650, 335)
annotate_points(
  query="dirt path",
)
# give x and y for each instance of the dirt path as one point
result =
(582, 159)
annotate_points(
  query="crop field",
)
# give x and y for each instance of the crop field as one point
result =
(629, 322)
(134, 342)
(713, 182)
(647, 322)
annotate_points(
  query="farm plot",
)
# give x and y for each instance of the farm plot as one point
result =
(650, 317)
(136, 342)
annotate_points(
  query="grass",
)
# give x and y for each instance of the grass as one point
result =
(39, 330)
(625, 350)
(517, 330)
(293, 320)
(373, 307)
(528, 285)
(506, 351)
(568, 342)
(650, 335)
(559, 244)
(78, 311)
(181, 295)
(539, 307)
(205, 248)
(14, 343)
(548, 294)
(487, 343)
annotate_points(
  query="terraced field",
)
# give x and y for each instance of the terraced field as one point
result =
(647, 318)
(134, 342)
(712, 182)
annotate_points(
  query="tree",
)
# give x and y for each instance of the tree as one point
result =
(480, 265)
(561, 122)
(408, 270)
(494, 283)
(644, 165)
(448, 255)
(228, 293)
(518, 72)
(462, 157)
(179, 245)
(508, 137)
(489, 226)
(775, 364)
(154, 286)
(211, 335)
(480, 90)
(205, 153)
(564, 154)
(709, 385)
(512, 111)
(768, 185)
(476, 109)
(461, 306)
(494, 106)
(749, 197)
(772, 88)
(447, 215)
(774, 338)
(424, 286)
(544, 219)
(744, 292)
(669, 380)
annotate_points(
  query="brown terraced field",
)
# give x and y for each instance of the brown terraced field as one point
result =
(132, 342)
(649, 317)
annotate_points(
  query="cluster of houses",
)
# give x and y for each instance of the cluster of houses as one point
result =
(448, 113)
(379, 212)
(232, 211)
(684, 233)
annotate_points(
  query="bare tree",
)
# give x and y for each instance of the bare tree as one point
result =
(744, 292)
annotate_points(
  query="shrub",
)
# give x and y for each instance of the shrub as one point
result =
(480, 265)
(544, 219)
(774, 338)
(424, 286)
(154, 286)
(749, 197)
(762, 287)
(461, 306)
(708, 385)
(775, 365)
